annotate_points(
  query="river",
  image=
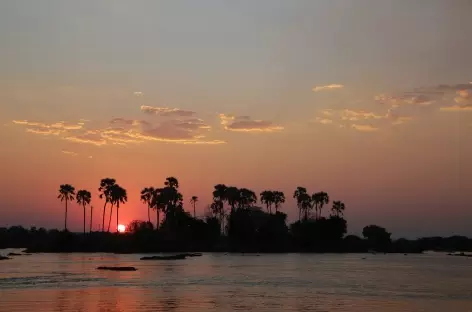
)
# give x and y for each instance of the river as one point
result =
(235, 282)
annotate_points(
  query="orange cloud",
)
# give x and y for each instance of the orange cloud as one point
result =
(246, 124)
(166, 111)
(364, 128)
(327, 87)
(324, 121)
(69, 153)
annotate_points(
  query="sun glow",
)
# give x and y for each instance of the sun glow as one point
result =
(121, 228)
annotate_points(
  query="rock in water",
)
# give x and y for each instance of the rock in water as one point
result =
(174, 257)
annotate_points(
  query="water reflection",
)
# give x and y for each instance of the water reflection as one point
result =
(44, 283)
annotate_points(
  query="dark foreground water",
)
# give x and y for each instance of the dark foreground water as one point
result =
(219, 282)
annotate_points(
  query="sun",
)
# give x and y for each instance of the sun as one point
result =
(121, 228)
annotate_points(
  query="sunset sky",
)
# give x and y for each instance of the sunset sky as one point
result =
(368, 100)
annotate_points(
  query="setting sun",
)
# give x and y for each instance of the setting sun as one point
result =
(121, 228)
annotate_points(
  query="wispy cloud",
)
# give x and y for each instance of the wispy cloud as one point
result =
(324, 121)
(364, 128)
(463, 99)
(56, 128)
(88, 138)
(246, 124)
(327, 87)
(138, 93)
(69, 153)
(123, 131)
(166, 111)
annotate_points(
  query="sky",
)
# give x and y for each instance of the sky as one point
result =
(367, 100)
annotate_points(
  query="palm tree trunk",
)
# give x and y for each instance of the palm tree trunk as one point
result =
(194, 215)
(91, 214)
(149, 213)
(109, 221)
(84, 219)
(103, 221)
(117, 208)
(65, 219)
(157, 216)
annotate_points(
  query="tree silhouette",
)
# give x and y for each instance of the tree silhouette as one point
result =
(268, 198)
(146, 197)
(218, 211)
(66, 193)
(300, 195)
(318, 201)
(91, 216)
(233, 197)
(247, 198)
(118, 195)
(194, 201)
(338, 208)
(279, 198)
(105, 189)
(83, 198)
(158, 204)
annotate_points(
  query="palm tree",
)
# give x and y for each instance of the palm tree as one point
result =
(66, 193)
(233, 197)
(83, 198)
(194, 201)
(318, 201)
(158, 204)
(279, 198)
(217, 210)
(91, 214)
(338, 208)
(118, 195)
(306, 205)
(300, 194)
(172, 182)
(105, 189)
(247, 198)
(146, 197)
(268, 198)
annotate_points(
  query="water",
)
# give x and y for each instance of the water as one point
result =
(219, 282)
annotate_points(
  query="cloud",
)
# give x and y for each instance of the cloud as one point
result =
(69, 153)
(464, 102)
(87, 138)
(246, 124)
(364, 128)
(56, 128)
(324, 121)
(327, 87)
(348, 114)
(138, 93)
(166, 111)
(129, 122)
(456, 108)
(122, 131)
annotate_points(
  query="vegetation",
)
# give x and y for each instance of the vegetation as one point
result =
(233, 222)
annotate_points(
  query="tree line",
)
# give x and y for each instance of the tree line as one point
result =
(237, 220)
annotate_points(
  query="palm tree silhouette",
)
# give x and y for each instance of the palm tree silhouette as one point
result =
(66, 193)
(118, 195)
(105, 189)
(338, 208)
(194, 201)
(300, 195)
(157, 203)
(318, 201)
(232, 196)
(247, 198)
(268, 198)
(279, 198)
(91, 215)
(83, 198)
(146, 197)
